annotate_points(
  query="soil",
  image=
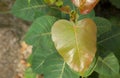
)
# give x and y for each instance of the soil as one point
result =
(12, 31)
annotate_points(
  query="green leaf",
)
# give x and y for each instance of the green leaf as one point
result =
(55, 67)
(76, 43)
(108, 66)
(68, 3)
(39, 37)
(111, 41)
(116, 76)
(40, 28)
(89, 15)
(26, 10)
(33, 9)
(103, 25)
(116, 3)
(29, 73)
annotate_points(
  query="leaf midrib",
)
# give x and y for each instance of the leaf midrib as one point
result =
(113, 36)
(106, 64)
(62, 71)
(99, 42)
(32, 7)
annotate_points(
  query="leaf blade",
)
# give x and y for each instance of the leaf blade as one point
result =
(55, 67)
(74, 49)
(39, 37)
(108, 66)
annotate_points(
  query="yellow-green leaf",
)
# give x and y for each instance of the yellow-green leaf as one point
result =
(76, 43)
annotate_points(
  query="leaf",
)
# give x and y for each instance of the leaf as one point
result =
(76, 43)
(55, 67)
(29, 73)
(108, 66)
(39, 37)
(68, 3)
(89, 15)
(116, 76)
(85, 6)
(31, 10)
(111, 41)
(25, 10)
(103, 25)
(116, 3)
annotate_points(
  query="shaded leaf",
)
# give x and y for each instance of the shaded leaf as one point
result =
(55, 67)
(108, 66)
(103, 25)
(39, 36)
(116, 3)
(116, 76)
(89, 15)
(76, 43)
(111, 41)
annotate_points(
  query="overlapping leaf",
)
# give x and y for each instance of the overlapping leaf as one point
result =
(30, 10)
(116, 76)
(103, 25)
(39, 36)
(108, 66)
(76, 43)
(26, 10)
(89, 15)
(116, 3)
(111, 41)
(55, 67)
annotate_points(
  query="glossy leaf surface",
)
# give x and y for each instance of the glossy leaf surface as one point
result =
(76, 43)
(85, 6)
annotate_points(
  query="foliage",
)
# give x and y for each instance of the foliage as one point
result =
(64, 40)
(76, 47)
(116, 3)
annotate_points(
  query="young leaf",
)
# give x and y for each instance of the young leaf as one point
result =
(108, 66)
(55, 67)
(76, 43)
(85, 6)
(39, 37)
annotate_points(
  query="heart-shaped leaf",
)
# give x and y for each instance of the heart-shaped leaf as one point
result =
(76, 43)
(85, 6)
